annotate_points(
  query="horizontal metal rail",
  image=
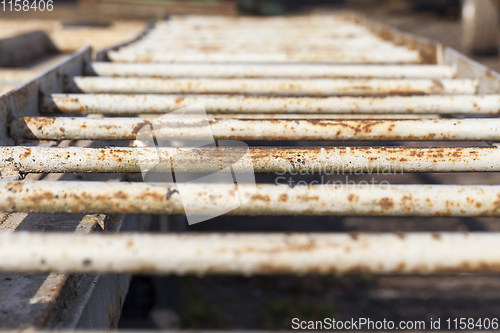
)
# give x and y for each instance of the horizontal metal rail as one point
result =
(313, 42)
(118, 104)
(360, 43)
(306, 160)
(63, 128)
(348, 31)
(284, 57)
(288, 116)
(217, 21)
(438, 253)
(301, 89)
(261, 199)
(253, 47)
(180, 31)
(172, 36)
(290, 52)
(269, 71)
(316, 87)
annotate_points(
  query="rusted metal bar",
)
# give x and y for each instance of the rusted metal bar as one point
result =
(253, 47)
(349, 31)
(276, 70)
(183, 33)
(180, 30)
(280, 37)
(215, 21)
(216, 46)
(307, 160)
(289, 116)
(317, 87)
(409, 56)
(261, 199)
(361, 43)
(63, 128)
(327, 33)
(247, 254)
(158, 104)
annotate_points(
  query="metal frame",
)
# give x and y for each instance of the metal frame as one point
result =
(23, 112)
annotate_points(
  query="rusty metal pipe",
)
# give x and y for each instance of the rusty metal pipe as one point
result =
(276, 70)
(316, 87)
(348, 30)
(262, 199)
(168, 35)
(288, 116)
(217, 20)
(253, 47)
(62, 128)
(264, 159)
(119, 104)
(171, 37)
(247, 254)
(400, 57)
(361, 43)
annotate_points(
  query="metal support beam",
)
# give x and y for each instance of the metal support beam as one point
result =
(261, 199)
(406, 57)
(249, 254)
(269, 71)
(263, 159)
(119, 104)
(62, 128)
(315, 87)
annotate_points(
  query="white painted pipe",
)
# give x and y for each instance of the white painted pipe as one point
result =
(248, 254)
(309, 160)
(269, 71)
(64, 128)
(253, 106)
(408, 56)
(316, 87)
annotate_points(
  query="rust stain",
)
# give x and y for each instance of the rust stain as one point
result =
(386, 203)
(120, 195)
(260, 197)
(353, 198)
(283, 198)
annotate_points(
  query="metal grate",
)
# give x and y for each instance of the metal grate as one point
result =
(317, 78)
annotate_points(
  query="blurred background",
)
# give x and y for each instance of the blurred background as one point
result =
(270, 302)
(73, 24)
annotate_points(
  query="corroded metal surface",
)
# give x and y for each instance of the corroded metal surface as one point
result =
(314, 43)
(410, 57)
(63, 128)
(29, 301)
(136, 104)
(212, 41)
(265, 70)
(340, 199)
(363, 44)
(316, 87)
(286, 42)
(271, 71)
(289, 116)
(254, 253)
(25, 100)
(263, 159)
